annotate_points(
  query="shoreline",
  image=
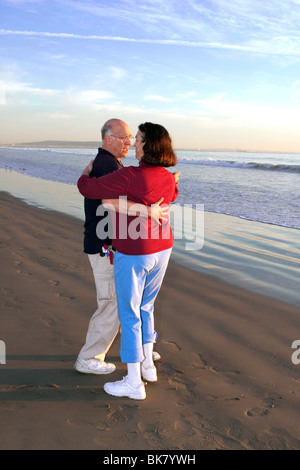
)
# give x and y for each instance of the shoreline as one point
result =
(257, 256)
(226, 378)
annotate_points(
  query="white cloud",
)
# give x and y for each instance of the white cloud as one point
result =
(117, 73)
(248, 25)
(23, 87)
(88, 96)
(156, 98)
(13, 91)
(272, 46)
(240, 113)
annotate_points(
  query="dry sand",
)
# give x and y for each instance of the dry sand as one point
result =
(226, 378)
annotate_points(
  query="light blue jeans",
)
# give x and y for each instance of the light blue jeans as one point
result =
(138, 279)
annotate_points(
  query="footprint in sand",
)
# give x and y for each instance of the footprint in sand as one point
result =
(63, 296)
(121, 413)
(12, 303)
(42, 258)
(183, 386)
(79, 422)
(257, 411)
(5, 243)
(149, 432)
(172, 344)
(24, 273)
(18, 263)
(116, 416)
(10, 300)
(7, 291)
(49, 321)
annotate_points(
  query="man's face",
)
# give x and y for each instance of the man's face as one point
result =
(118, 142)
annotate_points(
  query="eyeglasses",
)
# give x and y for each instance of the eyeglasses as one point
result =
(124, 138)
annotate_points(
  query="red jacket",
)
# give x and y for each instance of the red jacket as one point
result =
(144, 184)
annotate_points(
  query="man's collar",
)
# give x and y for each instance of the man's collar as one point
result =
(102, 150)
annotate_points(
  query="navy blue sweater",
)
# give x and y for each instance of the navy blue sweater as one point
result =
(104, 164)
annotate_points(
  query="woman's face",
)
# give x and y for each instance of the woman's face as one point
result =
(139, 144)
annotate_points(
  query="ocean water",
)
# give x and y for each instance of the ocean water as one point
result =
(262, 187)
(251, 201)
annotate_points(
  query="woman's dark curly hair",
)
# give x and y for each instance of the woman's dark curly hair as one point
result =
(158, 145)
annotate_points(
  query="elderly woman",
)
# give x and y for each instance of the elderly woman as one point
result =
(142, 251)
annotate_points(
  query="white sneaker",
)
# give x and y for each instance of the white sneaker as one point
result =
(156, 356)
(121, 388)
(94, 366)
(149, 373)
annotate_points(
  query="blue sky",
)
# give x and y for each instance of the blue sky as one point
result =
(222, 74)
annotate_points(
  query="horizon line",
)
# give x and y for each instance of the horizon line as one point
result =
(98, 143)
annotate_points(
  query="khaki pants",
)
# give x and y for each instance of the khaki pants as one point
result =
(104, 324)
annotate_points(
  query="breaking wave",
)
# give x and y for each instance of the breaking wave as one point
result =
(244, 165)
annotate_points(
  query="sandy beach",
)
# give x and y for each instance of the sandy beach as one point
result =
(226, 379)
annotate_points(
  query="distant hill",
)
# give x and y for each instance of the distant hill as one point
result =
(97, 144)
(58, 143)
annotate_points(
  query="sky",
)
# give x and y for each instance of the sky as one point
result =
(218, 74)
